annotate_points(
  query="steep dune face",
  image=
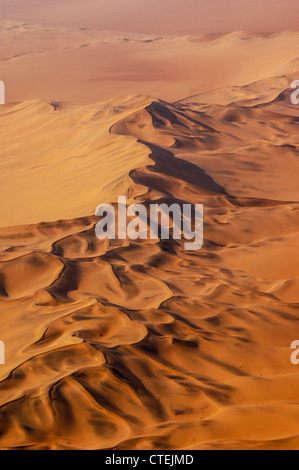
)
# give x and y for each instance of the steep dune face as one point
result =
(130, 345)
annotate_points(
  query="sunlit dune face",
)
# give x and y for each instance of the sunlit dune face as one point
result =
(137, 344)
(130, 343)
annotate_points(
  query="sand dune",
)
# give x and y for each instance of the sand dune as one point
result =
(58, 166)
(141, 344)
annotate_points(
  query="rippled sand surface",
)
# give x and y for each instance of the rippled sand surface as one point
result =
(143, 345)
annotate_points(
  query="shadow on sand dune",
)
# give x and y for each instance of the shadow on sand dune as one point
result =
(167, 164)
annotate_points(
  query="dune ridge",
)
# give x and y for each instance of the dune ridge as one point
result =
(141, 344)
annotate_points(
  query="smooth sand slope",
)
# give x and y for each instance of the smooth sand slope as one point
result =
(142, 345)
(64, 160)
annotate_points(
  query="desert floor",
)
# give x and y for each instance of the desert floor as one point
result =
(143, 345)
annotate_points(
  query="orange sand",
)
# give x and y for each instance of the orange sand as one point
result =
(87, 66)
(142, 345)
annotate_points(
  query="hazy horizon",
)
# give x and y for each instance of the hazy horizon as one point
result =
(113, 335)
(170, 17)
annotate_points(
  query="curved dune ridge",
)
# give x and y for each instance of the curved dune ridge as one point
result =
(142, 345)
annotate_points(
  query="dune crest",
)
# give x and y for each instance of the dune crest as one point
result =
(142, 344)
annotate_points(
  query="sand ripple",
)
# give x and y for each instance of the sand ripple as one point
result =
(130, 345)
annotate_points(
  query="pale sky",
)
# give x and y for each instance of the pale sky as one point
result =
(159, 16)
